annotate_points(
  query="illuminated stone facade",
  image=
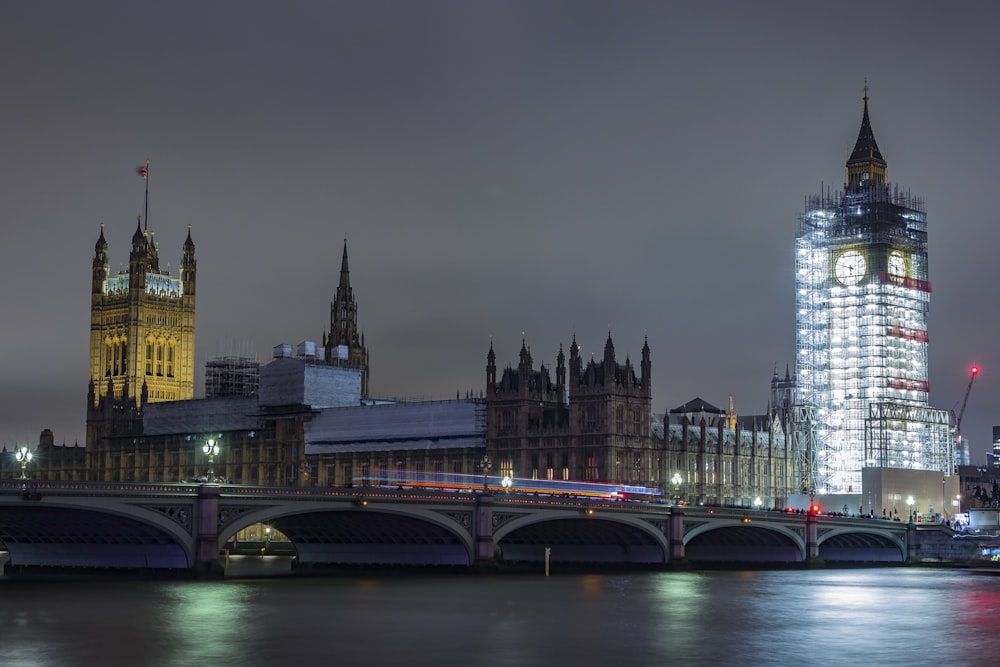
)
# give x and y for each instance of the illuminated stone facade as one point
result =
(142, 325)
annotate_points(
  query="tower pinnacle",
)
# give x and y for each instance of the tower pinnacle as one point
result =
(866, 166)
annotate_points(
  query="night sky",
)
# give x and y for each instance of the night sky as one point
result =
(500, 170)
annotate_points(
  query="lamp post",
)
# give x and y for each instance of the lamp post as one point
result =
(676, 481)
(506, 483)
(909, 507)
(211, 448)
(23, 456)
(757, 502)
(485, 463)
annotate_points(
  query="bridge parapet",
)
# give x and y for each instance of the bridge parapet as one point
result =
(199, 518)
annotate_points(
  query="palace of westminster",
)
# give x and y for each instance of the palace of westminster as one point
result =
(306, 418)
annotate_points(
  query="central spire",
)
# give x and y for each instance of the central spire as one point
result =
(345, 273)
(866, 167)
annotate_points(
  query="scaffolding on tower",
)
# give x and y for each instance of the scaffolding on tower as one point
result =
(862, 297)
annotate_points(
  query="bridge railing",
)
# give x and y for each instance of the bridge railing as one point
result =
(20, 486)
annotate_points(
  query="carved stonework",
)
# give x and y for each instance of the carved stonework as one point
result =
(181, 515)
(500, 518)
(463, 519)
(660, 525)
(227, 514)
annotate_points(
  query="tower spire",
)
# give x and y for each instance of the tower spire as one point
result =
(345, 272)
(866, 167)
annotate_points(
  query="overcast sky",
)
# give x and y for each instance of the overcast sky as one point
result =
(499, 169)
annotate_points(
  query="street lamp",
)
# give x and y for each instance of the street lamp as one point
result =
(23, 455)
(676, 480)
(506, 483)
(909, 507)
(211, 448)
(757, 502)
(485, 463)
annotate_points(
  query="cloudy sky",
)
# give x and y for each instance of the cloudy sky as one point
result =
(499, 169)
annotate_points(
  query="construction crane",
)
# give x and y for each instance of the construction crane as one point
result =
(973, 372)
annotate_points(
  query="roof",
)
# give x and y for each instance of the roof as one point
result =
(865, 149)
(397, 426)
(697, 405)
(200, 415)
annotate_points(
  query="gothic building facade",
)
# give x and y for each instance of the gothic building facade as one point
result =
(142, 323)
(591, 423)
(716, 457)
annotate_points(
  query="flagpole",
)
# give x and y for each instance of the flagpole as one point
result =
(146, 218)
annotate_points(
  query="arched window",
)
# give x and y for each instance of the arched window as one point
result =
(159, 357)
(170, 359)
(149, 356)
(620, 420)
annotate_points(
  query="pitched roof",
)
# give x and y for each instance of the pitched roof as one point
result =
(697, 405)
(865, 149)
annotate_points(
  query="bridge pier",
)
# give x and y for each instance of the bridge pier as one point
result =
(812, 541)
(676, 538)
(911, 542)
(206, 526)
(483, 527)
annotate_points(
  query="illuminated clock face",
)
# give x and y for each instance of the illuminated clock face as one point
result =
(850, 267)
(897, 264)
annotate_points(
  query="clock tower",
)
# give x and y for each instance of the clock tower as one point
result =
(862, 297)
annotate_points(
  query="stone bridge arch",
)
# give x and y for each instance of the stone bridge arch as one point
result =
(356, 531)
(862, 544)
(101, 532)
(737, 540)
(591, 536)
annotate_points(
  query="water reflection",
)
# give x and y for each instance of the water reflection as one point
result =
(213, 622)
(873, 617)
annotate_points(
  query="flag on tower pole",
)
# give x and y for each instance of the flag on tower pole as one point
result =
(144, 172)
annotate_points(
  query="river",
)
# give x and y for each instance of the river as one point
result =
(883, 616)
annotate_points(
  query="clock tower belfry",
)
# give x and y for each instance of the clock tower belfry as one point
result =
(862, 298)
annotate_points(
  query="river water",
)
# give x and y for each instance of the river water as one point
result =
(884, 616)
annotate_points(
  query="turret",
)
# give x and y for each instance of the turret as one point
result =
(137, 259)
(646, 369)
(525, 362)
(189, 266)
(101, 264)
(561, 369)
(609, 361)
(491, 371)
(575, 366)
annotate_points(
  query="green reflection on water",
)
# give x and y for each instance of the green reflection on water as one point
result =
(212, 619)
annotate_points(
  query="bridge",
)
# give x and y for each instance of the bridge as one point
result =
(189, 527)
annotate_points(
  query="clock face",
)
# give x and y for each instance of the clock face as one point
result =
(897, 264)
(850, 267)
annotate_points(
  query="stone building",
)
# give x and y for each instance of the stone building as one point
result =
(591, 423)
(715, 457)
